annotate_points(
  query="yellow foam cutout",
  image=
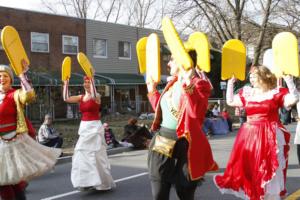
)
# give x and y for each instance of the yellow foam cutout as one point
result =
(175, 44)
(233, 60)
(285, 54)
(141, 54)
(66, 69)
(153, 58)
(14, 49)
(199, 42)
(85, 64)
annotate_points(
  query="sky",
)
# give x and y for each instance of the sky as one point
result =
(35, 5)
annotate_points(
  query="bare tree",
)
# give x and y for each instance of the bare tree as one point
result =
(246, 20)
(108, 10)
(141, 13)
(287, 14)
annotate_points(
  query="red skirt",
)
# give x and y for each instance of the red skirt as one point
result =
(253, 161)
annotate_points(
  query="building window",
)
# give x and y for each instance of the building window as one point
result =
(70, 44)
(40, 42)
(124, 50)
(1, 47)
(100, 48)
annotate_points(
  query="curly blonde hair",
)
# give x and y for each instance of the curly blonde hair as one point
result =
(265, 76)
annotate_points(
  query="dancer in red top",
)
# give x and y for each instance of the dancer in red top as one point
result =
(257, 166)
(179, 153)
(21, 157)
(90, 166)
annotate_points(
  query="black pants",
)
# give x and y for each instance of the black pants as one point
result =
(161, 191)
(55, 142)
(12, 192)
(165, 172)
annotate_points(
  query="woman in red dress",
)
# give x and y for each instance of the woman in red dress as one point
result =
(90, 166)
(258, 162)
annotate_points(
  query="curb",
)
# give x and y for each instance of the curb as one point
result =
(113, 151)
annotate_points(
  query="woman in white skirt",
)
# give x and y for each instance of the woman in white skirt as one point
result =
(21, 157)
(90, 165)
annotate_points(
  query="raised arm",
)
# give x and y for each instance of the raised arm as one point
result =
(292, 97)
(153, 94)
(66, 97)
(231, 99)
(26, 94)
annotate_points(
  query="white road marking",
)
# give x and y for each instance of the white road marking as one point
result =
(76, 191)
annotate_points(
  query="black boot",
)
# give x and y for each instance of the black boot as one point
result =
(21, 195)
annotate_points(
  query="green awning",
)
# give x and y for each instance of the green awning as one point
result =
(37, 79)
(122, 79)
(47, 79)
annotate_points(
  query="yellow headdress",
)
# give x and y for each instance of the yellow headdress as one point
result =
(197, 41)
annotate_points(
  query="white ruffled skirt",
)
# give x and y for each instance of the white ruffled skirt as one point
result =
(90, 165)
(24, 159)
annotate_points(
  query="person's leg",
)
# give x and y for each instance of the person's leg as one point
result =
(19, 192)
(298, 153)
(59, 142)
(7, 192)
(185, 187)
(50, 143)
(229, 124)
(186, 193)
(160, 190)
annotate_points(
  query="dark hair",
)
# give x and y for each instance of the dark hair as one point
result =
(193, 56)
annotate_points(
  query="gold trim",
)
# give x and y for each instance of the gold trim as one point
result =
(21, 98)
(189, 89)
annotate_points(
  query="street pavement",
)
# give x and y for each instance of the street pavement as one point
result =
(129, 170)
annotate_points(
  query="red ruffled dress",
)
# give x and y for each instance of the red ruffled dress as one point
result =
(257, 166)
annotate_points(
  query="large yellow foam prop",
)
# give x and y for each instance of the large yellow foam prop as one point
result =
(285, 52)
(14, 49)
(66, 69)
(141, 54)
(233, 60)
(85, 64)
(175, 44)
(153, 58)
(199, 42)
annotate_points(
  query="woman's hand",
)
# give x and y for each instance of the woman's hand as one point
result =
(232, 80)
(151, 85)
(188, 75)
(66, 82)
(25, 66)
(288, 78)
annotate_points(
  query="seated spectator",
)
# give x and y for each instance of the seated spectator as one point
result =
(226, 116)
(109, 136)
(241, 113)
(48, 135)
(209, 113)
(139, 136)
(215, 110)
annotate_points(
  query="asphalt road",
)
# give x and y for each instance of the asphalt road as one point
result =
(130, 173)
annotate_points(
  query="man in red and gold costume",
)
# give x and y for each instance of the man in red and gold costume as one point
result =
(21, 157)
(179, 153)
